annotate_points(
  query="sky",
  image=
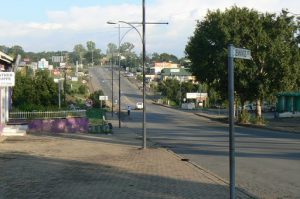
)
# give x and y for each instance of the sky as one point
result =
(55, 25)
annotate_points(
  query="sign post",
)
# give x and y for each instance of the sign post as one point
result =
(242, 54)
(231, 120)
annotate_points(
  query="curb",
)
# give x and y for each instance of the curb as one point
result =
(249, 125)
(242, 125)
(209, 174)
(2, 138)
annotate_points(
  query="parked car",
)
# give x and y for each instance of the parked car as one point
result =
(139, 105)
(127, 74)
(248, 107)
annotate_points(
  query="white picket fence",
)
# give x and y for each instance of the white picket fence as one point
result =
(46, 114)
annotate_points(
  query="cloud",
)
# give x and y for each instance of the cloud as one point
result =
(65, 28)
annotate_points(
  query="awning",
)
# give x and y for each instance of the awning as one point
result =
(5, 58)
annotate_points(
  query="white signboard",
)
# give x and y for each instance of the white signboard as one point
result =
(103, 97)
(56, 80)
(57, 59)
(7, 79)
(175, 70)
(74, 79)
(195, 95)
(241, 53)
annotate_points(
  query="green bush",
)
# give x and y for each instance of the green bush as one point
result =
(258, 120)
(82, 89)
(95, 98)
(245, 117)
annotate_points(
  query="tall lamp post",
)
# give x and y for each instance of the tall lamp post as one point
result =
(112, 85)
(119, 56)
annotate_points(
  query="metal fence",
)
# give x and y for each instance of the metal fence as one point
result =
(46, 114)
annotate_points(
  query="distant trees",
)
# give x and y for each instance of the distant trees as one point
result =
(164, 57)
(86, 55)
(272, 40)
(127, 55)
(78, 53)
(175, 91)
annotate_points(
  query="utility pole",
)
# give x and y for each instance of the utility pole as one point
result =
(144, 90)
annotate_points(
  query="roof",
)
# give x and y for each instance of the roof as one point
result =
(289, 94)
(5, 58)
(175, 72)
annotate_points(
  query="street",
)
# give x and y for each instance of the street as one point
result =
(267, 162)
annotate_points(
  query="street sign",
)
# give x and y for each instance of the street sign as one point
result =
(103, 97)
(242, 53)
(7, 79)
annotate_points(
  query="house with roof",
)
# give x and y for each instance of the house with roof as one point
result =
(6, 81)
(181, 74)
(159, 66)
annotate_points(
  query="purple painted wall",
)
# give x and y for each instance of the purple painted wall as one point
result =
(68, 125)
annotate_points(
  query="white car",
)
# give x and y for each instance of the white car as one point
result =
(130, 75)
(139, 105)
(127, 74)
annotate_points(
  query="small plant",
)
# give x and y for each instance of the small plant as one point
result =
(245, 117)
(259, 121)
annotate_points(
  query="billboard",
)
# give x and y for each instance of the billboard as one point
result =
(7, 79)
(196, 95)
(57, 59)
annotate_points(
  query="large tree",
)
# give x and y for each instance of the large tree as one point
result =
(273, 44)
(175, 90)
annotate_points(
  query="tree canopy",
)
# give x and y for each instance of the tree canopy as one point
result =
(164, 57)
(272, 40)
(35, 92)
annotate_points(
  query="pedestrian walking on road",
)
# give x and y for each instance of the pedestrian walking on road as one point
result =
(128, 110)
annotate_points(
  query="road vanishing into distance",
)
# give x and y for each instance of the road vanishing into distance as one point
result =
(267, 162)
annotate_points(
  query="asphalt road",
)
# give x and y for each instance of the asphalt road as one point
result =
(267, 162)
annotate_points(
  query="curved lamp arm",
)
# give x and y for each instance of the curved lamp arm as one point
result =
(133, 27)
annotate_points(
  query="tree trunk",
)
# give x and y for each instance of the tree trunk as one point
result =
(258, 108)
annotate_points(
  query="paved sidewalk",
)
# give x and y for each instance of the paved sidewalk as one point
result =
(100, 166)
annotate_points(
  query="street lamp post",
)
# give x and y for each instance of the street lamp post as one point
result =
(112, 85)
(144, 94)
(119, 65)
(119, 60)
(119, 57)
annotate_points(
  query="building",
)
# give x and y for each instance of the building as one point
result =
(6, 67)
(181, 74)
(43, 64)
(288, 104)
(159, 66)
